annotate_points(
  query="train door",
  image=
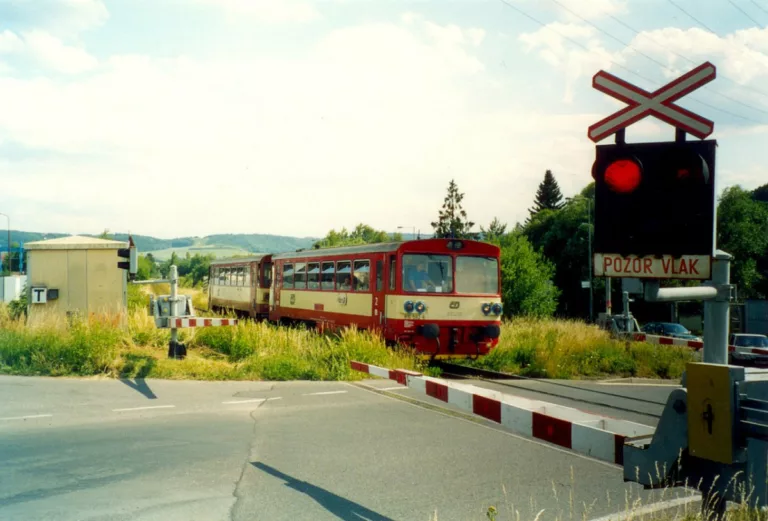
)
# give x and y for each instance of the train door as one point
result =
(379, 295)
(253, 287)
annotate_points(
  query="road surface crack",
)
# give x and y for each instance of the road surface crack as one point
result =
(236, 492)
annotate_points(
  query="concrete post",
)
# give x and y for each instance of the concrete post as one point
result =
(717, 311)
(172, 348)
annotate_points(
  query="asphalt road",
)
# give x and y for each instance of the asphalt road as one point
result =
(159, 450)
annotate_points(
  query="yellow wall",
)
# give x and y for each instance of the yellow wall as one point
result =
(88, 281)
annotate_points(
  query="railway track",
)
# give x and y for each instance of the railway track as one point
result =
(455, 371)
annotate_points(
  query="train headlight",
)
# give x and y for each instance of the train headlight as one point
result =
(420, 307)
(408, 306)
(486, 307)
(497, 309)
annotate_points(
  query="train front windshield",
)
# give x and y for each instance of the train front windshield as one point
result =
(424, 273)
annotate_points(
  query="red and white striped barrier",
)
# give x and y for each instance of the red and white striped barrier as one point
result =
(202, 322)
(666, 340)
(693, 344)
(599, 437)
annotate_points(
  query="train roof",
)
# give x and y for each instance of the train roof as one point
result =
(235, 260)
(379, 247)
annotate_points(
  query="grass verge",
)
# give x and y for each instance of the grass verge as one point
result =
(253, 350)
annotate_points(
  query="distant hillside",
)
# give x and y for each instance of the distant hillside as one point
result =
(221, 245)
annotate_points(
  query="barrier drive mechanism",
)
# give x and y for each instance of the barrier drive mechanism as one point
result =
(175, 311)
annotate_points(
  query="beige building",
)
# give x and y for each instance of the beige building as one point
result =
(75, 274)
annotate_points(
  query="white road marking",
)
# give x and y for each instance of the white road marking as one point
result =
(398, 388)
(145, 408)
(256, 400)
(26, 417)
(324, 392)
(649, 509)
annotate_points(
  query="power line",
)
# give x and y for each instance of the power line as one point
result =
(618, 65)
(694, 63)
(759, 6)
(654, 60)
(744, 12)
(689, 15)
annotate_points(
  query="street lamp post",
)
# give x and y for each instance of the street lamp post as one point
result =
(413, 236)
(9, 240)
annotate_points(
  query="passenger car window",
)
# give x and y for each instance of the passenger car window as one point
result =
(379, 275)
(328, 275)
(300, 278)
(288, 275)
(343, 276)
(313, 275)
(362, 276)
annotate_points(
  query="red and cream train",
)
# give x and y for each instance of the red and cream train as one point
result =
(441, 296)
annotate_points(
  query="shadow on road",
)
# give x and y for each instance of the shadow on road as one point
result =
(336, 505)
(138, 366)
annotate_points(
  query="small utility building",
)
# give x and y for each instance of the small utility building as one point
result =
(75, 275)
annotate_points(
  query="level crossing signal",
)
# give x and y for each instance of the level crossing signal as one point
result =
(655, 198)
(129, 253)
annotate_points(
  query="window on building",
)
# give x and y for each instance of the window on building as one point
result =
(313, 275)
(327, 276)
(343, 276)
(288, 275)
(300, 279)
(361, 280)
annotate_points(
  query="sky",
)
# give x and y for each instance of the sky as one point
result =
(291, 117)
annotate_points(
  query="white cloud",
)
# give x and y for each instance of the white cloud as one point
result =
(553, 46)
(269, 11)
(373, 111)
(46, 50)
(61, 17)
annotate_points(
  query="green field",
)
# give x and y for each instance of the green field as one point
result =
(221, 252)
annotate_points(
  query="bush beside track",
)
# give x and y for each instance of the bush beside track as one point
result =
(253, 350)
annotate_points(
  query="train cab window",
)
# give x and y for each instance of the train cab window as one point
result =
(288, 275)
(247, 279)
(313, 275)
(300, 279)
(379, 275)
(427, 273)
(343, 276)
(361, 280)
(392, 271)
(267, 277)
(327, 276)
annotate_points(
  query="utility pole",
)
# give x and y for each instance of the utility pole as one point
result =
(589, 259)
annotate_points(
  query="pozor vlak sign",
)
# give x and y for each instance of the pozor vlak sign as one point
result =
(654, 202)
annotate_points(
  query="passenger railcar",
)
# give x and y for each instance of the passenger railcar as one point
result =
(242, 285)
(441, 296)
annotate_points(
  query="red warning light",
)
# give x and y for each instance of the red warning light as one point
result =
(622, 176)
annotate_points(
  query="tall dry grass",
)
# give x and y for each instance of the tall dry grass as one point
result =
(571, 349)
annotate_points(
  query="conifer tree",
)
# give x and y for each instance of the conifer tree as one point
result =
(452, 221)
(548, 196)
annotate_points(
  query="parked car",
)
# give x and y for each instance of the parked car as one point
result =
(669, 329)
(744, 345)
